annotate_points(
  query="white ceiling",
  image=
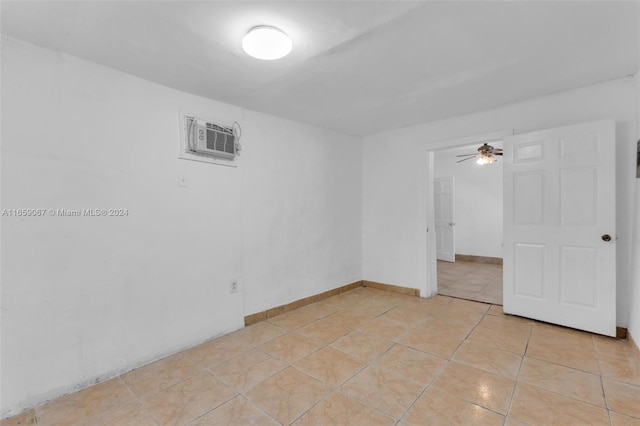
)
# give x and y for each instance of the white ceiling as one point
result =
(359, 67)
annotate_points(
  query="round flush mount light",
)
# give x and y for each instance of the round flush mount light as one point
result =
(266, 43)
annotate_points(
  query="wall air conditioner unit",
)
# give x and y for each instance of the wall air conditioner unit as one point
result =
(203, 140)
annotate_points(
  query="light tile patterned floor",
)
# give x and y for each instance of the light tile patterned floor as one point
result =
(370, 357)
(471, 280)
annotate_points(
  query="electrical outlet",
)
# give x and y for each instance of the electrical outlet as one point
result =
(234, 287)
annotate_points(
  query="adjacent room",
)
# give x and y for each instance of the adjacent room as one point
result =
(468, 221)
(346, 212)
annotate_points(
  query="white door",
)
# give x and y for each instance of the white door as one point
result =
(443, 205)
(559, 226)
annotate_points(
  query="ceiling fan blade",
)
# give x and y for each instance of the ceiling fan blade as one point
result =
(465, 159)
(497, 153)
(466, 155)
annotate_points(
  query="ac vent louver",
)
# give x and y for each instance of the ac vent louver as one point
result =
(210, 142)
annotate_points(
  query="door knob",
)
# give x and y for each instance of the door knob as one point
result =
(451, 223)
(606, 237)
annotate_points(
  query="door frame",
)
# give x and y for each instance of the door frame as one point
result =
(442, 145)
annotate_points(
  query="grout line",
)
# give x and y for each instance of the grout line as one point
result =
(562, 365)
(595, 350)
(517, 379)
(130, 390)
(604, 395)
(428, 385)
(609, 415)
(606, 407)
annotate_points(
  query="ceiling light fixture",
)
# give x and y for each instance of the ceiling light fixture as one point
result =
(267, 43)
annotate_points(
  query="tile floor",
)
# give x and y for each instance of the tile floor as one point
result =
(370, 357)
(471, 280)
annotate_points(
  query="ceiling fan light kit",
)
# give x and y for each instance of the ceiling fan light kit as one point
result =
(486, 159)
(486, 155)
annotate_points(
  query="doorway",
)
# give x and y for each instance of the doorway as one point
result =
(468, 223)
(472, 263)
(559, 196)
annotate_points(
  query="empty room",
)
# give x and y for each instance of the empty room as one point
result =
(320, 213)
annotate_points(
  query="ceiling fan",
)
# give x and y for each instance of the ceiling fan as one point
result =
(486, 155)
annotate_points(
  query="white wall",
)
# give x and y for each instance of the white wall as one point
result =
(477, 201)
(86, 298)
(634, 317)
(301, 209)
(395, 174)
